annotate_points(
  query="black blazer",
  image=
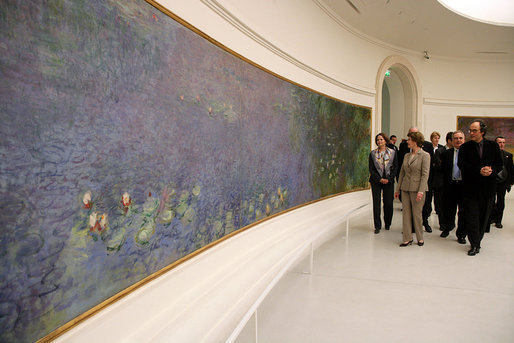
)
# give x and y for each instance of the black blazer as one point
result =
(437, 179)
(392, 146)
(446, 167)
(428, 147)
(402, 150)
(508, 163)
(470, 164)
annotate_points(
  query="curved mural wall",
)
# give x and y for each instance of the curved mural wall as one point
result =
(128, 141)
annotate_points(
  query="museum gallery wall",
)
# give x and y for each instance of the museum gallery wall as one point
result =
(128, 142)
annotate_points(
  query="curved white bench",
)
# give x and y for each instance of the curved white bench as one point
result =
(210, 297)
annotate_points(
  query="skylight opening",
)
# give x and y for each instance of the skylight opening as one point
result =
(495, 12)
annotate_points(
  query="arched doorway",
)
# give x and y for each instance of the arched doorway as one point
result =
(401, 94)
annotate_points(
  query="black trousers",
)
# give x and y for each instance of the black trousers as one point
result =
(439, 204)
(453, 199)
(379, 191)
(499, 206)
(477, 207)
(436, 193)
(427, 207)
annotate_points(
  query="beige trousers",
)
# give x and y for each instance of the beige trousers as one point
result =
(412, 215)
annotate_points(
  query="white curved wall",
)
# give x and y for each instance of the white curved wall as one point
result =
(303, 41)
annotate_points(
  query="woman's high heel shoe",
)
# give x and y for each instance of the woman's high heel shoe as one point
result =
(421, 243)
(404, 244)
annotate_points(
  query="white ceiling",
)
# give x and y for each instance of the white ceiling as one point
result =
(419, 25)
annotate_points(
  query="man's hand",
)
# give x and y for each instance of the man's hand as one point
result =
(486, 171)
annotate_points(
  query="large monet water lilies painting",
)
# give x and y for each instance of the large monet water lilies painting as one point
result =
(128, 141)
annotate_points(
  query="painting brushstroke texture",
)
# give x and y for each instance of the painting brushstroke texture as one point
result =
(128, 141)
(496, 126)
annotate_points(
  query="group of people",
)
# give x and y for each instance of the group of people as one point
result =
(471, 177)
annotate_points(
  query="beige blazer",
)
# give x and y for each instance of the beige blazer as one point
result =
(414, 172)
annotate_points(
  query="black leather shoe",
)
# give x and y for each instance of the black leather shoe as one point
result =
(445, 234)
(499, 225)
(404, 244)
(387, 227)
(377, 231)
(461, 240)
(473, 251)
(421, 243)
(427, 228)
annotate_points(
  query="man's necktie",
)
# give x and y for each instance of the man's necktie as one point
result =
(456, 170)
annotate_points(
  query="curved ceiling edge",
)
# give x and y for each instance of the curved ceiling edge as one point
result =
(347, 27)
(224, 13)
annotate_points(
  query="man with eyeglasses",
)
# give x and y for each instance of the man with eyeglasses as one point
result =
(479, 161)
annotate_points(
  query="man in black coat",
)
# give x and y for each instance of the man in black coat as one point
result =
(402, 151)
(392, 143)
(479, 161)
(504, 183)
(453, 193)
(435, 190)
(438, 179)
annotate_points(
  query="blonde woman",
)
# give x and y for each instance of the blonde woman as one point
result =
(413, 183)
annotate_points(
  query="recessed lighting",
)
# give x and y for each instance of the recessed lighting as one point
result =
(495, 12)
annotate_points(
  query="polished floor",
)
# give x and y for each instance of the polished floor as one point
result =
(368, 289)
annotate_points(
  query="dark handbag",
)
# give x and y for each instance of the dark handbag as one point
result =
(502, 175)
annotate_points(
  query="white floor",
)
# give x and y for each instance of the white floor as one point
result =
(368, 289)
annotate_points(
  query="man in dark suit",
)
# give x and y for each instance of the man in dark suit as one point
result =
(449, 139)
(392, 143)
(504, 183)
(479, 161)
(438, 179)
(402, 151)
(435, 181)
(453, 193)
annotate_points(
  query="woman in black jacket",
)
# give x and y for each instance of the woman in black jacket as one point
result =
(383, 163)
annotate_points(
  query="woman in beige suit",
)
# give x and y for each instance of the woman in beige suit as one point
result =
(413, 183)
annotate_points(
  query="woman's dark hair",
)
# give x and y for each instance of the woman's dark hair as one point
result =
(417, 137)
(384, 136)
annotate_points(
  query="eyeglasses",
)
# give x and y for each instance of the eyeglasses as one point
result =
(473, 130)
